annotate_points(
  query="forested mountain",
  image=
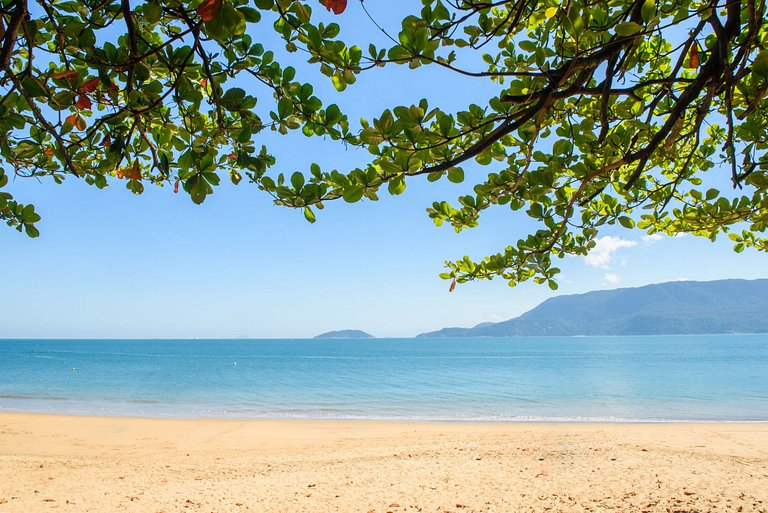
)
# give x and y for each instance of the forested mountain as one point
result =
(681, 307)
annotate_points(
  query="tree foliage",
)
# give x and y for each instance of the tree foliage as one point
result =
(606, 111)
(146, 92)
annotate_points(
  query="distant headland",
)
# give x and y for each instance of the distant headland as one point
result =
(672, 308)
(345, 334)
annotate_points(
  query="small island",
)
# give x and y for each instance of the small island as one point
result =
(345, 334)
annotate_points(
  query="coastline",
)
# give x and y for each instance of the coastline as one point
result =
(76, 463)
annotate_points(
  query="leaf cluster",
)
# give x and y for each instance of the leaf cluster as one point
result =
(647, 114)
(633, 113)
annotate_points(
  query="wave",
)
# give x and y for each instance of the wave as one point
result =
(53, 398)
(149, 408)
(25, 397)
(47, 354)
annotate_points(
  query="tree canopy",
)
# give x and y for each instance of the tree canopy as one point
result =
(605, 112)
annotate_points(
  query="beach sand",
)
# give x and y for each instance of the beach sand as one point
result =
(104, 464)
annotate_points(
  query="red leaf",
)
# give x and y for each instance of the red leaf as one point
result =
(135, 171)
(176, 186)
(83, 102)
(453, 285)
(209, 9)
(90, 86)
(337, 6)
(70, 73)
(695, 55)
(76, 120)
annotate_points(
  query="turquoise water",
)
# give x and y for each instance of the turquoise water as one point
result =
(673, 378)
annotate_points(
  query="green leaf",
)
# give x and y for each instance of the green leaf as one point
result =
(152, 12)
(232, 99)
(87, 39)
(332, 114)
(648, 11)
(760, 64)
(626, 222)
(27, 211)
(628, 28)
(338, 83)
(309, 215)
(352, 194)
(26, 150)
(562, 146)
(297, 180)
(396, 185)
(456, 175)
(198, 188)
(31, 231)
(284, 108)
(33, 87)
(228, 22)
(233, 19)
(251, 15)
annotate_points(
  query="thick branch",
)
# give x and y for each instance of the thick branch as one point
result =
(486, 142)
(125, 8)
(9, 39)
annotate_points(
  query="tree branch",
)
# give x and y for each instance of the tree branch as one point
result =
(9, 39)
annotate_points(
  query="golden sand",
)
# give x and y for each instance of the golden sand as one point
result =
(106, 464)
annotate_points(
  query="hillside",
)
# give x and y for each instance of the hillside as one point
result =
(681, 307)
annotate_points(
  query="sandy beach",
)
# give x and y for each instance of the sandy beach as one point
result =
(108, 464)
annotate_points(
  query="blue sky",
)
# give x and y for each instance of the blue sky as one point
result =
(111, 264)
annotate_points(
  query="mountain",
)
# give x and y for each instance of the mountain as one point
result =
(345, 334)
(680, 307)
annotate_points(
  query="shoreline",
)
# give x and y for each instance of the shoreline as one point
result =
(97, 463)
(481, 421)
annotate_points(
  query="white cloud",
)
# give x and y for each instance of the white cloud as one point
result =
(612, 278)
(650, 239)
(602, 254)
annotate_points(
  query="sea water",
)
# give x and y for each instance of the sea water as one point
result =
(588, 379)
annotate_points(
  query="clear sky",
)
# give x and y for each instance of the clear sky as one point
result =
(111, 264)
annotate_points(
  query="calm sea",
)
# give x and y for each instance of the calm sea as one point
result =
(671, 378)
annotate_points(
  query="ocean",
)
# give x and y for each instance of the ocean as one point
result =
(525, 379)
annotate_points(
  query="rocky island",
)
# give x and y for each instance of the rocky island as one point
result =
(345, 334)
